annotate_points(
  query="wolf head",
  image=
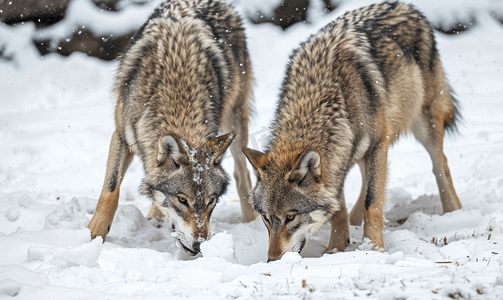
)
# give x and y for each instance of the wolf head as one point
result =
(292, 199)
(187, 184)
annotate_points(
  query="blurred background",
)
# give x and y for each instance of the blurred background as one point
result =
(103, 28)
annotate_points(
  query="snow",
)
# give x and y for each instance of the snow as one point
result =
(86, 254)
(55, 127)
(394, 258)
(291, 258)
(220, 245)
(234, 271)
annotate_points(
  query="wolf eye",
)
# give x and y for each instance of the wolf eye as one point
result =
(289, 218)
(182, 200)
(211, 201)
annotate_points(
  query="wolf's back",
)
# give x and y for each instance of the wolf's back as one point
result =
(388, 25)
(185, 69)
(362, 52)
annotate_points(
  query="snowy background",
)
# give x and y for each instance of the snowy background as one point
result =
(56, 121)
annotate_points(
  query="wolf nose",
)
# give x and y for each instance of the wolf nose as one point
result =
(196, 246)
(271, 259)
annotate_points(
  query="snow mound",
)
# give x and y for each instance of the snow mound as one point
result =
(220, 245)
(25, 201)
(393, 258)
(291, 258)
(9, 287)
(12, 214)
(86, 254)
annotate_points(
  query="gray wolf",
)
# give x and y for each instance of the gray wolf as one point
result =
(350, 92)
(185, 77)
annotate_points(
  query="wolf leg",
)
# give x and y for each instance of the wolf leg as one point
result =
(339, 233)
(432, 139)
(239, 122)
(119, 159)
(356, 215)
(155, 213)
(377, 161)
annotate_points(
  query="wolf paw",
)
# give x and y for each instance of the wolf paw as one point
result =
(99, 227)
(369, 245)
(337, 245)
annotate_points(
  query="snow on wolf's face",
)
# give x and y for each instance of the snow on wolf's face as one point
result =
(186, 186)
(291, 197)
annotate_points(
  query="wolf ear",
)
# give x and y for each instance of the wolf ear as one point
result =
(310, 163)
(256, 158)
(169, 150)
(219, 144)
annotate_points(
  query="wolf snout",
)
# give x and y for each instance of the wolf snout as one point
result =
(196, 246)
(271, 259)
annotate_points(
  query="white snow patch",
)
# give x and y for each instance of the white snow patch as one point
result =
(86, 254)
(234, 271)
(291, 258)
(393, 258)
(9, 287)
(220, 245)
(12, 214)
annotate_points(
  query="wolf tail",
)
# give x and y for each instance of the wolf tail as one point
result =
(452, 122)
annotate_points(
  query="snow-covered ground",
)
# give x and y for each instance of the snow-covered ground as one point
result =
(56, 120)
